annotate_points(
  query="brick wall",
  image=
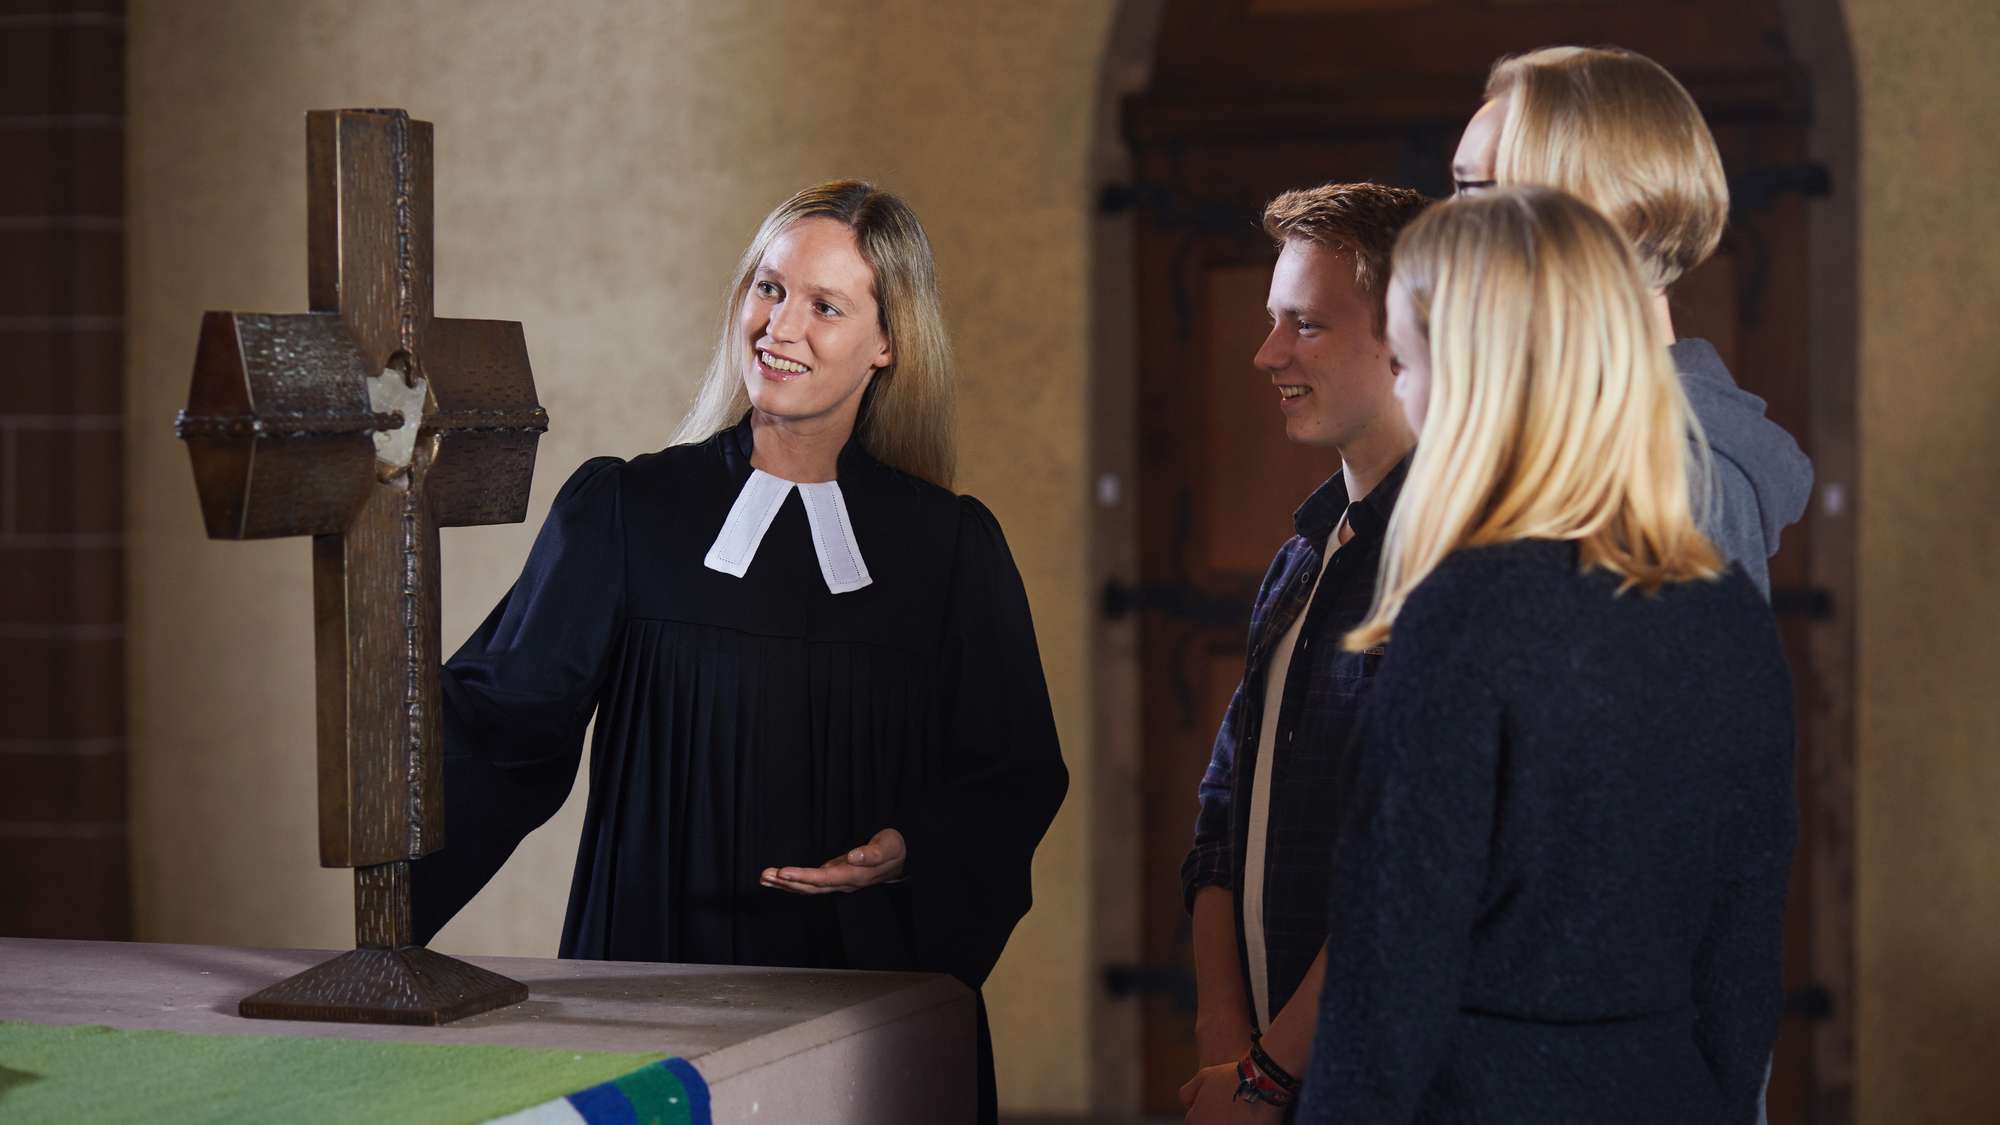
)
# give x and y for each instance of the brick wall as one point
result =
(64, 868)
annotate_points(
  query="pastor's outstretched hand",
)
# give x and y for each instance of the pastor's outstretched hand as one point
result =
(880, 860)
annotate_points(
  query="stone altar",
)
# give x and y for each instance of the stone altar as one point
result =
(775, 1045)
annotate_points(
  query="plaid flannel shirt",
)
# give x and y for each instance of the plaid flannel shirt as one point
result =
(1318, 715)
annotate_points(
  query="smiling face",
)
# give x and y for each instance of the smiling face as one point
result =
(1472, 166)
(810, 327)
(1330, 370)
(1410, 353)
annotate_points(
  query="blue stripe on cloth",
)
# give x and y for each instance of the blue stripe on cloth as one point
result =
(696, 1087)
(652, 1094)
(604, 1105)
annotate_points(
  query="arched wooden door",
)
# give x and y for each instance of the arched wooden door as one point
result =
(1250, 97)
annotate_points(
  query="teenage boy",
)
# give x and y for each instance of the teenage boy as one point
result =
(1256, 880)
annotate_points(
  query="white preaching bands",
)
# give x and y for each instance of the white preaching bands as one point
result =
(757, 505)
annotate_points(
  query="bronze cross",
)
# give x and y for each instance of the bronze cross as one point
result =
(368, 424)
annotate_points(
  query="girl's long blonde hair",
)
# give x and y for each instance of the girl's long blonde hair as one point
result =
(907, 419)
(1554, 409)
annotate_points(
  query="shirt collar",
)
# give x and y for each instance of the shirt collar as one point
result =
(1368, 516)
(756, 507)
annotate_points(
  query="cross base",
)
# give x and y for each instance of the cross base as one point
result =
(410, 985)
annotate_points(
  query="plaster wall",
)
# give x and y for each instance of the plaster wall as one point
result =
(598, 169)
(1928, 895)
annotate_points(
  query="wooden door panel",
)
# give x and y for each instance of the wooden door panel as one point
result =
(1218, 479)
(1251, 478)
(1705, 304)
(1179, 748)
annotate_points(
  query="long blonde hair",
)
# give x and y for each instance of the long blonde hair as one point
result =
(1554, 409)
(907, 418)
(1617, 131)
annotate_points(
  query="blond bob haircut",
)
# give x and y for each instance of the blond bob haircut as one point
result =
(1555, 412)
(1614, 129)
(906, 419)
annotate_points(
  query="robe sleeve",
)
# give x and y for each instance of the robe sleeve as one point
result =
(518, 696)
(973, 832)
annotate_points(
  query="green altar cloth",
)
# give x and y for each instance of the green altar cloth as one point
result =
(90, 1075)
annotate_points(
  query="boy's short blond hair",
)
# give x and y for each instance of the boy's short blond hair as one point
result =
(1614, 129)
(1359, 220)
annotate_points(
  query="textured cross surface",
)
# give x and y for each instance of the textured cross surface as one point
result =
(368, 424)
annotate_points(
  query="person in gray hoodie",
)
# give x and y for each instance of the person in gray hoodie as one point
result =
(1614, 129)
(1761, 479)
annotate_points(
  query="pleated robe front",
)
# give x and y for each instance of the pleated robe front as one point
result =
(744, 723)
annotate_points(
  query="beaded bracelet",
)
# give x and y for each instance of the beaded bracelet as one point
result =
(1256, 1087)
(1264, 1062)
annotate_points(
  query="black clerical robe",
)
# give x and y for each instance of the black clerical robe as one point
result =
(752, 722)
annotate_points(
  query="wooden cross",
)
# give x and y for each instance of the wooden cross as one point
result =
(368, 424)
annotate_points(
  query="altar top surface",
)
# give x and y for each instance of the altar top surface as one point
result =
(730, 1018)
